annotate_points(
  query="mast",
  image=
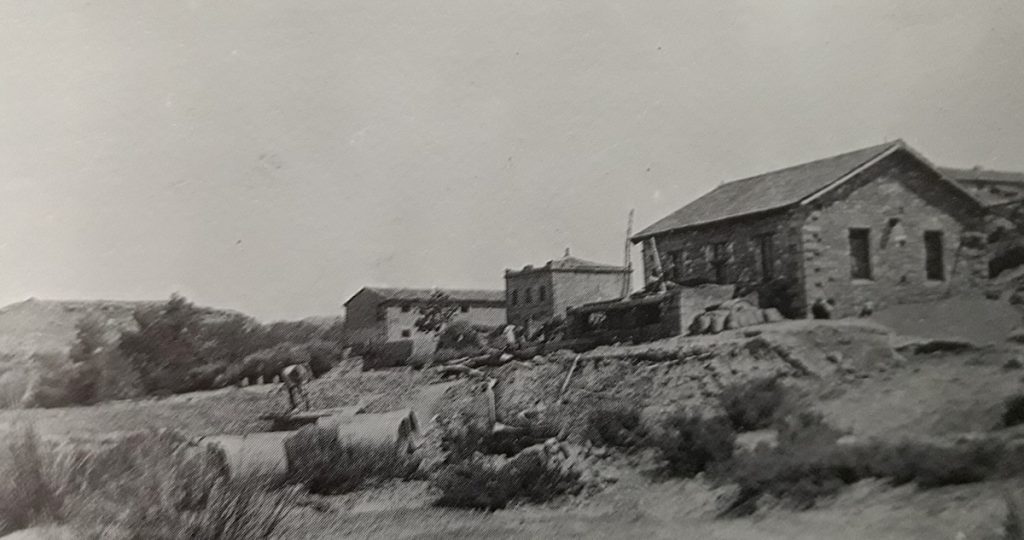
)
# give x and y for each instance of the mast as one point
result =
(627, 283)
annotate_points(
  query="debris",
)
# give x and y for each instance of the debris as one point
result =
(572, 370)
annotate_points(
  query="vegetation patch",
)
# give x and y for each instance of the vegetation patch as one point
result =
(754, 404)
(147, 486)
(809, 464)
(483, 485)
(691, 443)
(617, 426)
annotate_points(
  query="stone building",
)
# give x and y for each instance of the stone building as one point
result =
(540, 293)
(381, 315)
(992, 188)
(879, 225)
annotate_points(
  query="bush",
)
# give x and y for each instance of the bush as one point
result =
(459, 335)
(754, 404)
(808, 464)
(327, 466)
(145, 486)
(690, 443)
(480, 485)
(1013, 412)
(617, 426)
(29, 492)
(461, 438)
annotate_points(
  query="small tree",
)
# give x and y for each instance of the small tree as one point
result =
(436, 313)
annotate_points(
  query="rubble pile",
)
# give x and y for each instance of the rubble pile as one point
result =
(732, 314)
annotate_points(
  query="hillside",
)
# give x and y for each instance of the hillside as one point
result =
(48, 326)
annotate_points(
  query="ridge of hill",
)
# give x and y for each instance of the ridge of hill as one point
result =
(48, 326)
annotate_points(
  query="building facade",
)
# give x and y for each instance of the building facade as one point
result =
(879, 225)
(541, 293)
(382, 315)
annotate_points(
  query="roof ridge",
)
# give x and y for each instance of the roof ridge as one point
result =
(818, 161)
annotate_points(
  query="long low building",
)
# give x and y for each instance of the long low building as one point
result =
(382, 314)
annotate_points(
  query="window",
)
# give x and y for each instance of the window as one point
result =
(542, 293)
(675, 270)
(720, 262)
(464, 308)
(406, 333)
(515, 297)
(935, 270)
(766, 248)
(529, 296)
(406, 308)
(860, 253)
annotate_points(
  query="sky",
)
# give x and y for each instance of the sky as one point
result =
(275, 157)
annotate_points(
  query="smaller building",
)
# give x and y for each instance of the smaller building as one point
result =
(539, 294)
(992, 188)
(644, 317)
(382, 315)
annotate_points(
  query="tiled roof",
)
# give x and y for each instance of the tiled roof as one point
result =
(457, 295)
(764, 192)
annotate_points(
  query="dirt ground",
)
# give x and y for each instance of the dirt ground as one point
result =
(850, 372)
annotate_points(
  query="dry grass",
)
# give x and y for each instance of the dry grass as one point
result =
(151, 485)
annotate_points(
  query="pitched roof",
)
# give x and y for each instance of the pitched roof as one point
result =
(569, 263)
(769, 191)
(414, 295)
(978, 174)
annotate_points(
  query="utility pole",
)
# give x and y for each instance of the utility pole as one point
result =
(627, 283)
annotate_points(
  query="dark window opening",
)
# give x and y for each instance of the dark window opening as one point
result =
(934, 267)
(675, 271)
(767, 251)
(406, 333)
(529, 296)
(647, 315)
(464, 308)
(720, 262)
(515, 297)
(541, 293)
(860, 253)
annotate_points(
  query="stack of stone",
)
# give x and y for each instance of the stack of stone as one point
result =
(732, 314)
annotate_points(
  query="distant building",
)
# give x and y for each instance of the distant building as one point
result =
(879, 225)
(541, 293)
(990, 187)
(380, 315)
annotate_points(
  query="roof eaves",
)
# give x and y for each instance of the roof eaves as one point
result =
(641, 236)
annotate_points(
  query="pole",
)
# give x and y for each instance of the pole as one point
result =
(627, 283)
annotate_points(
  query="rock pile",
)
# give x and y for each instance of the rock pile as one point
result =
(730, 315)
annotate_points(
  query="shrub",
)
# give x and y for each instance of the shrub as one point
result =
(617, 426)
(472, 484)
(29, 492)
(459, 335)
(754, 404)
(808, 464)
(481, 485)
(690, 443)
(325, 465)
(13, 385)
(461, 437)
(1013, 412)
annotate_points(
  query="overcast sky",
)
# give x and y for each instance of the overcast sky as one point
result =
(274, 157)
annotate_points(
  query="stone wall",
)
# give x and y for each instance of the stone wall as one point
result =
(578, 288)
(522, 310)
(691, 251)
(897, 200)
